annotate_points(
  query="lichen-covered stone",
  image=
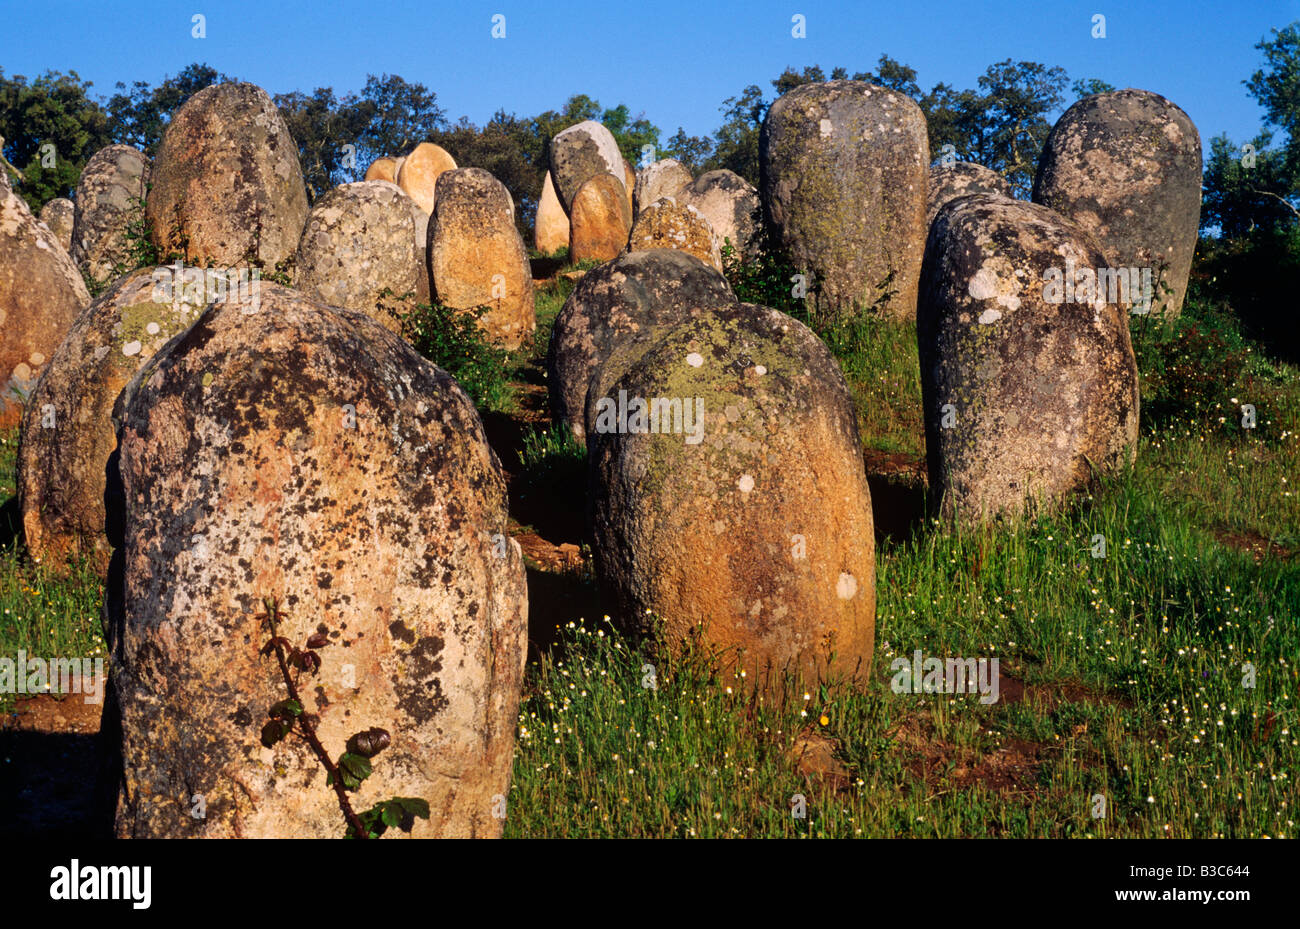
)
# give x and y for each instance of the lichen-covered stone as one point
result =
(619, 301)
(667, 177)
(1027, 387)
(58, 216)
(844, 175)
(110, 192)
(668, 224)
(551, 224)
(477, 257)
(382, 169)
(420, 172)
(68, 434)
(41, 294)
(1126, 166)
(307, 454)
(578, 154)
(227, 187)
(599, 220)
(358, 242)
(950, 181)
(729, 203)
(757, 526)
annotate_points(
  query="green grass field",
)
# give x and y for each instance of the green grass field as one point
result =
(1121, 676)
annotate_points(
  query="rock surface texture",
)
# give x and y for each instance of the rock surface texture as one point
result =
(844, 175)
(41, 295)
(756, 526)
(618, 301)
(227, 187)
(1027, 388)
(307, 454)
(1126, 166)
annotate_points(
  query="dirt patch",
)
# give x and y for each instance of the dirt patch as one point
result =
(49, 769)
(898, 485)
(45, 713)
(1011, 768)
(1257, 546)
(549, 556)
(1050, 696)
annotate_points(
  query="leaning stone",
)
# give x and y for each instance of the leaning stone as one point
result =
(578, 154)
(420, 172)
(382, 169)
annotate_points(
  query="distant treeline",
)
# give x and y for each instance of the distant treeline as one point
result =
(1001, 123)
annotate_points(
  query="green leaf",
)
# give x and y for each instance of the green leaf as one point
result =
(353, 769)
(286, 709)
(414, 806)
(274, 731)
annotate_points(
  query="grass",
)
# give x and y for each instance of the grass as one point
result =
(43, 613)
(1121, 675)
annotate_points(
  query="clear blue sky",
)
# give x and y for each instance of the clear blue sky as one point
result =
(674, 60)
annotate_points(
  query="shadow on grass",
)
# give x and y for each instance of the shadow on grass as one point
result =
(51, 786)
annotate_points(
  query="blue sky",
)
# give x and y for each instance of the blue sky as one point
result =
(675, 61)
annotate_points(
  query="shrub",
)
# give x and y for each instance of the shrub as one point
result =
(453, 340)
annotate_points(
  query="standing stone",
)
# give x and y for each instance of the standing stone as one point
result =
(420, 172)
(757, 523)
(41, 294)
(1027, 386)
(578, 154)
(664, 178)
(629, 186)
(729, 203)
(227, 187)
(58, 216)
(358, 243)
(551, 224)
(617, 302)
(844, 169)
(423, 287)
(110, 192)
(477, 257)
(68, 434)
(307, 454)
(668, 224)
(382, 169)
(1126, 166)
(599, 220)
(950, 181)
